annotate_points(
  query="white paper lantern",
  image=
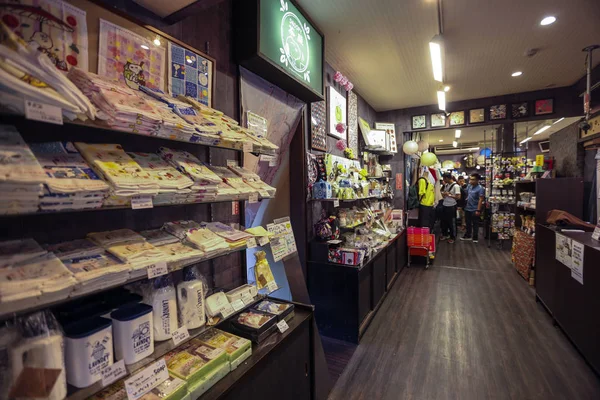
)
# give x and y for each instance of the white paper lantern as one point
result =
(410, 147)
(423, 145)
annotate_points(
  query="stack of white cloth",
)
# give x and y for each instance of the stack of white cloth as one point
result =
(70, 183)
(235, 239)
(180, 229)
(205, 181)
(174, 187)
(159, 237)
(129, 247)
(207, 241)
(179, 252)
(254, 181)
(93, 268)
(21, 175)
(233, 180)
(124, 175)
(16, 251)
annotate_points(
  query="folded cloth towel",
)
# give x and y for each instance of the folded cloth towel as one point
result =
(159, 237)
(96, 271)
(17, 251)
(180, 252)
(110, 238)
(227, 232)
(233, 180)
(190, 165)
(206, 240)
(180, 228)
(165, 175)
(75, 249)
(19, 165)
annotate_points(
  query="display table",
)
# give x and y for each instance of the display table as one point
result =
(573, 306)
(346, 298)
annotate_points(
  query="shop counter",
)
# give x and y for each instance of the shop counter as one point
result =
(346, 298)
(574, 306)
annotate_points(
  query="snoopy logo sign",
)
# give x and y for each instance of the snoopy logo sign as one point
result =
(295, 42)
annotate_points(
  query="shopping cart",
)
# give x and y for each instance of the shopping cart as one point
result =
(420, 243)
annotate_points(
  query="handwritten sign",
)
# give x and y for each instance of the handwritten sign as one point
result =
(140, 202)
(282, 326)
(157, 269)
(180, 335)
(43, 112)
(113, 372)
(146, 380)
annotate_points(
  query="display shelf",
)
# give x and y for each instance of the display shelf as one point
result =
(528, 208)
(377, 177)
(8, 118)
(352, 200)
(41, 304)
(160, 349)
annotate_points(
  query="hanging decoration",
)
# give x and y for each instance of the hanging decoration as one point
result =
(130, 58)
(352, 130)
(190, 74)
(318, 118)
(428, 159)
(423, 145)
(410, 147)
(338, 77)
(55, 28)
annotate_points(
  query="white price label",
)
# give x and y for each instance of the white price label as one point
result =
(248, 147)
(253, 198)
(113, 372)
(237, 305)
(251, 243)
(146, 380)
(180, 335)
(139, 202)
(227, 311)
(263, 240)
(273, 163)
(272, 286)
(336, 203)
(247, 299)
(43, 112)
(283, 326)
(157, 269)
(232, 163)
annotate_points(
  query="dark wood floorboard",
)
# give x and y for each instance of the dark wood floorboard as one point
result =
(466, 328)
(337, 354)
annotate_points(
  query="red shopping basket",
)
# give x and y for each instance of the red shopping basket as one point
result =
(420, 243)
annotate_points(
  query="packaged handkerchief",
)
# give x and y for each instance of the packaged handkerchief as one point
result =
(159, 237)
(75, 249)
(180, 228)
(16, 251)
(111, 238)
(187, 163)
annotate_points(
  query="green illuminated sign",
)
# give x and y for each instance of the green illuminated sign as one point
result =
(291, 42)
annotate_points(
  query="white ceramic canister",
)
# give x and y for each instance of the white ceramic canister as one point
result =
(164, 308)
(133, 332)
(190, 299)
(88, 350)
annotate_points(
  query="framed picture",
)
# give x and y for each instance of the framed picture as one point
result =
(476, 116)
(419, 121)
(457, 118)
(520, 110)
(337, 114)
(498, 112)
(438, 120)
(543, 107)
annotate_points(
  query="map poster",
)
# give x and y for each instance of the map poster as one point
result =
(190, 74)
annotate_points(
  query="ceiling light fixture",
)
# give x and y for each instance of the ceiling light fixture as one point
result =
(435, 49)
(455, 144)
(548, 20)
(157, 42)
(457, 133)
(526, 140)
(441, 100)
(446, 88)
(145, 47)
(517, 73)
(441, 140)
(557, 121)
(542, 129)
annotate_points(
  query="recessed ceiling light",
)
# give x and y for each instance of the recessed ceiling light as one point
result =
(441, 140)
(517, 73)
(446, 88)
(145, 47)
(157, 42)
(548, 20)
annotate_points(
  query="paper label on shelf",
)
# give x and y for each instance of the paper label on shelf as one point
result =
(113, 372)
(232, 163)
(263, 240)
(283, 326)
(577, 262)
(251, 243)
(253, 198)
(237, 305)
(248, 147)
(180, 335)
(273, 162)
(43, 112)
(336, 203)
(146, 380)
(157, 269)
(267, 158)
(272, 286)
(247, 299)
(227, 311)
(139, 202)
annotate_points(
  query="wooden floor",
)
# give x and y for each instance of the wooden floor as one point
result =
(466, 328)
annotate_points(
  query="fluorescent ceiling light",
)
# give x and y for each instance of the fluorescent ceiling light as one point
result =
(457, 134)
(557, 121)
(542, 129)
(441, 140)
(446, 88)
(435, 49)
(455, 144)
(145, 47)
(548, 20)
(441, 100)
(517, 73)
(526, 140)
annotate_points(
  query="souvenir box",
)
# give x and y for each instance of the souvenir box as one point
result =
(322, 190)
(283, 311)
(253, 324)
(345, 256)
(241, 292)
(238, 349)
(171, 389)
(194, 362)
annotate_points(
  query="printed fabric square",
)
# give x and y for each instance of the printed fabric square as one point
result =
(178, 87)
(191, 59)
(194, 75)
(191, 89)
(178, 71)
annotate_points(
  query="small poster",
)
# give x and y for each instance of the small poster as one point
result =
(283, 242)
(398, 181)
(257, 124)
(564, 250)
(390, 130)
(577, 264)
(130, 58)
(337, 114)
(190, 74)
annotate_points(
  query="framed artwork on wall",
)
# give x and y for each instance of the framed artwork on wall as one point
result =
(337, 114)
(318, 118)
(498, 112)
(353, 121)
(520, 110)
(544, 106)
(476, 116)
(419, 121)
(457, 118)
(438, 120)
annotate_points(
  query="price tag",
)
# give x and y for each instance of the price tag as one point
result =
(263, 240)
(113, 372)
(283, 326)
(272, 286)
(227, 311)
(273, 162)
(237, 305)
(146, 380)
(253, 198)
(248, 147)
(251, 243)
(247, 299)
(336, 203)
(43, 112)
(232, 163)
(157, 269)
(139, 202)
(180, 335)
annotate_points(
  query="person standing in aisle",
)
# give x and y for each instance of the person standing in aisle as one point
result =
(426, 199)
(473, 208)
(450, 193)
(460, 203)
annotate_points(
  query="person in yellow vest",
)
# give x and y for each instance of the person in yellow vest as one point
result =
(426, 200)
